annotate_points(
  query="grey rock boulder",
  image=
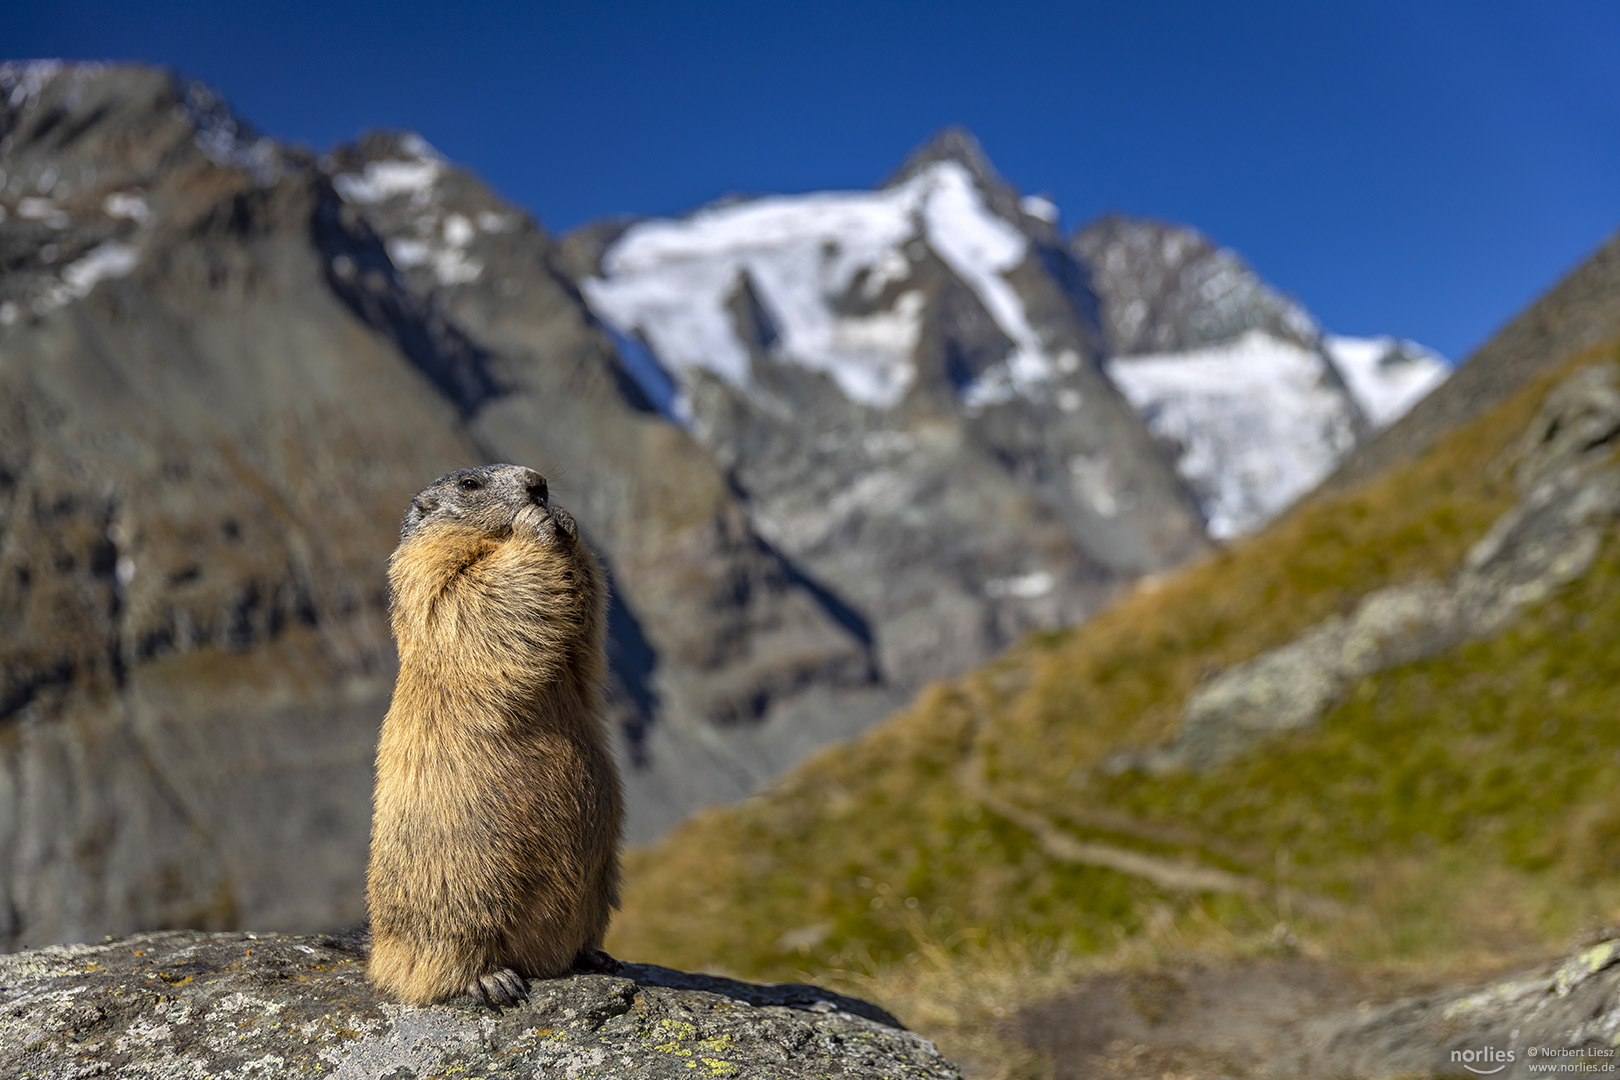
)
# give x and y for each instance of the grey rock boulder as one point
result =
(1563, 1019)
(229, 1006)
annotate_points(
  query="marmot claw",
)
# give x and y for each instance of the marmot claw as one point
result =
(500, 987)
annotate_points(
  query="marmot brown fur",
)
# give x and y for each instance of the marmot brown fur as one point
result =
(496, 815)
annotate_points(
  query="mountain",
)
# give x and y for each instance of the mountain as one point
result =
(907, 390)
(1358, 754)
(941, 325)
(830, 447)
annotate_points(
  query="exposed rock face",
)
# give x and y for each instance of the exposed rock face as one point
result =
(192, 518)
(1165, 288)
(1569, 498)
(244, 1005)
(1561, 1019)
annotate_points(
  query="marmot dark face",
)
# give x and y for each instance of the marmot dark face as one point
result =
(487, 499)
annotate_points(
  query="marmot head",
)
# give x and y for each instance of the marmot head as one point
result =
(487, 500)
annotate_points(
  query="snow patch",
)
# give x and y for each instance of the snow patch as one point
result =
(405, 252)
(110, 260)
(1386, 376)
(35, 208)
(492, 222)
(458, 230)
(1258, 420)
(381, 180)
(1038, 206)
(1024, 587)
(107, 261)
(127, 205)
(1094, 482)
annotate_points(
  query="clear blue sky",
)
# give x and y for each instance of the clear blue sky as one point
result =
(1421, 168)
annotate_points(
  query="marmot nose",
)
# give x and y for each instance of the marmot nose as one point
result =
(535, 485)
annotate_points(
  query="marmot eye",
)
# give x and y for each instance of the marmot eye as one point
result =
(471, 483)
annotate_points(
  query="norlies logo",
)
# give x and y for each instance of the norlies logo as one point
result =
(1485, 1062)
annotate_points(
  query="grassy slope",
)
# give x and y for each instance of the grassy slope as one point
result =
(1452, 811)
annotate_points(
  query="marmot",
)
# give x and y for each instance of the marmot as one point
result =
(497, 811)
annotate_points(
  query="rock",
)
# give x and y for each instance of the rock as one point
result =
(1272, 1018)
(184, 1003)
(1563, 1018)
(1569, 496)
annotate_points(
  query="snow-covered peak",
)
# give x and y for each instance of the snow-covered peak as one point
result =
(956, 146)
(829, 271)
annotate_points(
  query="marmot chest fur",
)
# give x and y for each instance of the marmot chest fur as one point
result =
(496, 814)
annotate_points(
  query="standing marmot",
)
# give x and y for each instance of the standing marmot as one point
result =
(496, 816)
